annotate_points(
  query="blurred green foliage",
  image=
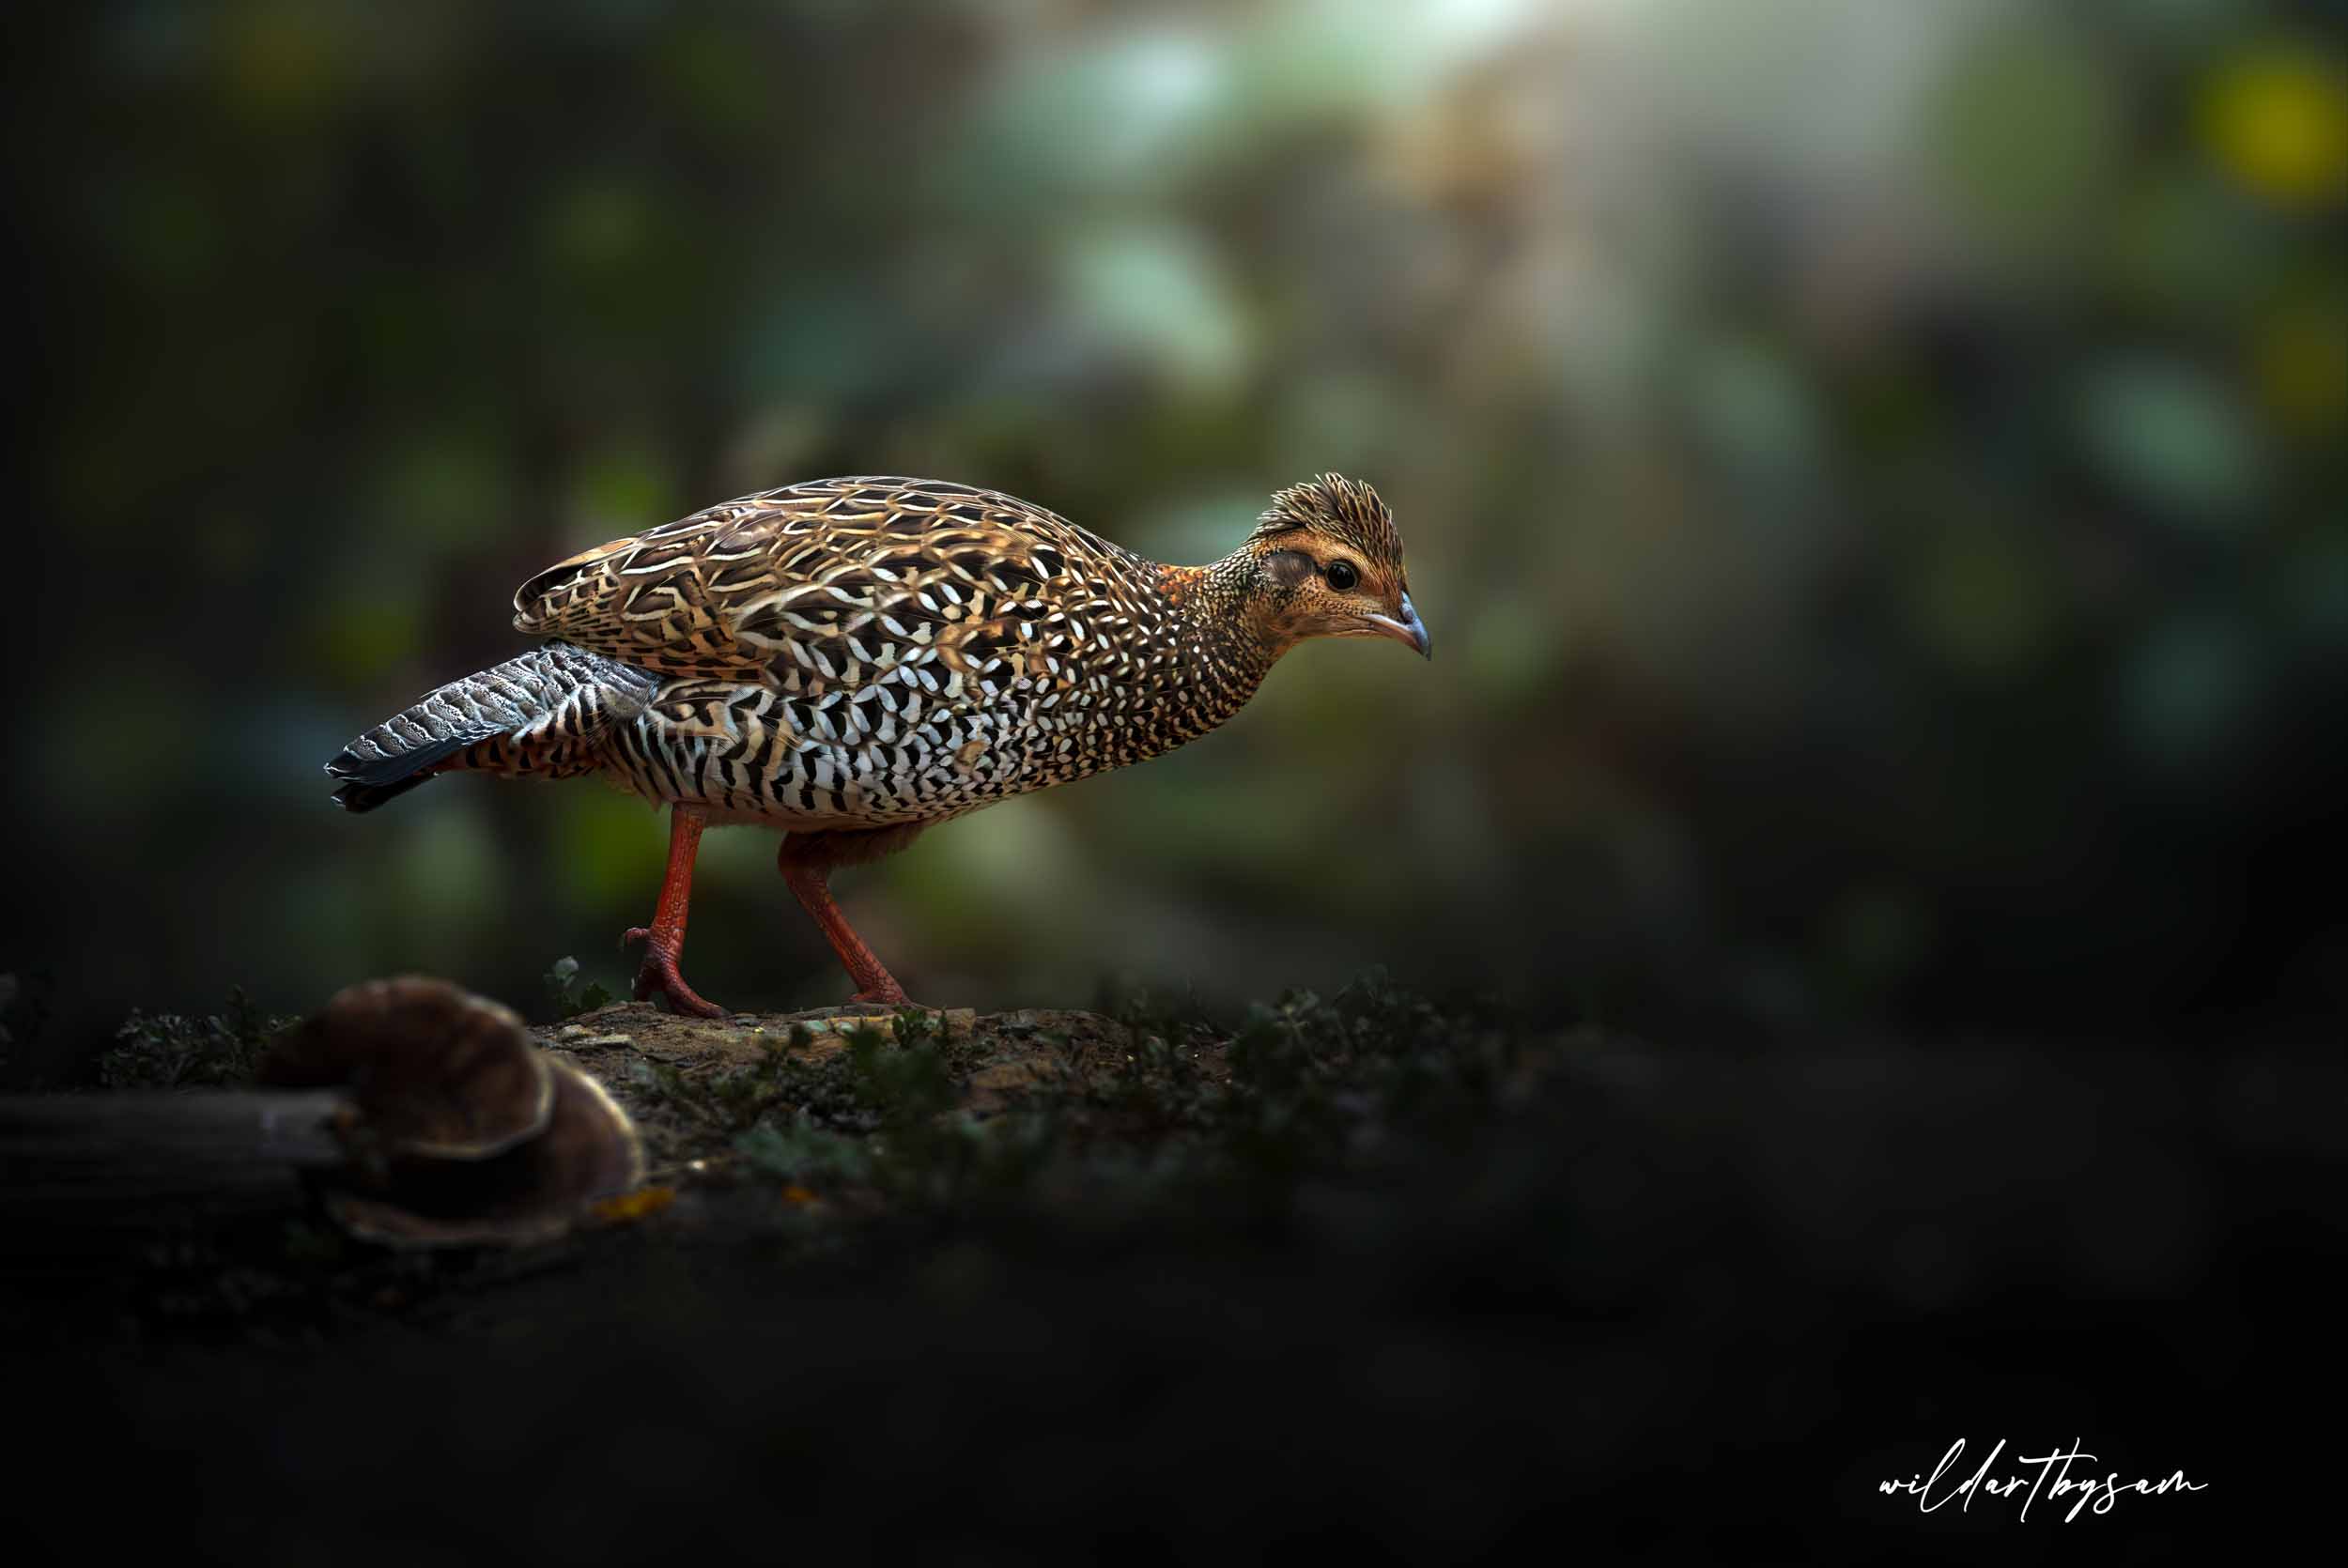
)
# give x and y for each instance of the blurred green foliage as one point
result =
(567, 995)
(1853, 459)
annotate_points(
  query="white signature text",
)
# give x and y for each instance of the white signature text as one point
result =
(2098, 1496)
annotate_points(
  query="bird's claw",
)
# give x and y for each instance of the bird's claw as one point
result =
(657, 975)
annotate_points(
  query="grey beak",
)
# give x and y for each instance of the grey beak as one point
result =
(1408, 628)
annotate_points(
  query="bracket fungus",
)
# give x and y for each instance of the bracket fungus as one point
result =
(456, 1130)
(431, 1072)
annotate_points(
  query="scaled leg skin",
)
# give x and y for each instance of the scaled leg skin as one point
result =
(664, 940)
(806, 865)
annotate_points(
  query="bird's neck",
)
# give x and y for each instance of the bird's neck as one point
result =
(1215, 643)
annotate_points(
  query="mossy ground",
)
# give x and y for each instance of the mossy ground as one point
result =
(950, 1114)
(827, 1134)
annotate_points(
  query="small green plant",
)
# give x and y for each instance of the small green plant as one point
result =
(799, 1150)
(175, 1051)
(568, 995)
(906, 1082)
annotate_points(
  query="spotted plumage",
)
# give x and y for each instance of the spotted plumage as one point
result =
(868, 656)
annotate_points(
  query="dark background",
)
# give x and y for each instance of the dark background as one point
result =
(1873, 473)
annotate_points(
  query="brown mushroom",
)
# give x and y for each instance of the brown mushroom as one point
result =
(459, 1131)
(532, 1192)
(432, 1071)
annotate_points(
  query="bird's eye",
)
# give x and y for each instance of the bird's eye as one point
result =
(1342, 576)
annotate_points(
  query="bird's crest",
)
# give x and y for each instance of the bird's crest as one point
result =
(1341, 508)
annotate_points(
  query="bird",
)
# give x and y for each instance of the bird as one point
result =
(852, 661)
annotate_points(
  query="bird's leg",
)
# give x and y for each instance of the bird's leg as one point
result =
(808, 870)
(664, 941)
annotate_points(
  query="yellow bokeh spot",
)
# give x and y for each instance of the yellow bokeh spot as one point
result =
(2299, 356)
(2277, 119)
(636, 1205)
(280, 61)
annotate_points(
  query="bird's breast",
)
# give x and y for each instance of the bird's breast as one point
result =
(905, 738)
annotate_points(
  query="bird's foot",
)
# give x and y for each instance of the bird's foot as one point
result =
(890, 995)
(657, 975)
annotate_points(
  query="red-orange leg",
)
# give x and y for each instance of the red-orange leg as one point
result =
(664, 940)
(811, 883)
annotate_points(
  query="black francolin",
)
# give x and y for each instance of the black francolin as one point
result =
(853, 660)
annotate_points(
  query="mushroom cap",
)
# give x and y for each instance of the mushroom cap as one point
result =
(433, 1070)
(533, 1191)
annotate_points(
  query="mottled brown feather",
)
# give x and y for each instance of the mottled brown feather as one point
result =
(788, 579)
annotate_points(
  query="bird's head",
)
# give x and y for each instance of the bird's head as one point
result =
(1327, 562)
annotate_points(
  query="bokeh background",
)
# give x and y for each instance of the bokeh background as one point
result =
(1873, 473)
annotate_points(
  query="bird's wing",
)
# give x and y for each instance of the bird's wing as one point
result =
(824, 583)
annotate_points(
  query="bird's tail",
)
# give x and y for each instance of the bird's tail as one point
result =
(541, 712)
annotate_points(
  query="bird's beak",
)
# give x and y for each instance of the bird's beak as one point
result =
(1407, 628)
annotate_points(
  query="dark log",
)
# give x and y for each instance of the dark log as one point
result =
(88, 1173)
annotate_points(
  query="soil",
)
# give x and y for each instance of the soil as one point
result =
(999, 1058)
